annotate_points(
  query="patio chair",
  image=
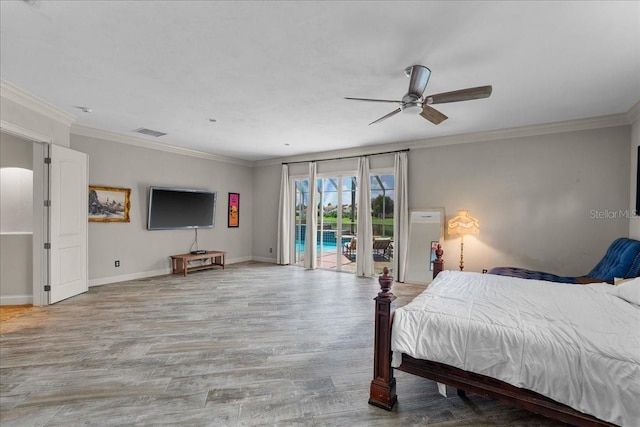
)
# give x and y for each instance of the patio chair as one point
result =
(382, 247)
(349, 249)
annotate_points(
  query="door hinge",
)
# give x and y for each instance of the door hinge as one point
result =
(47, 288)
(47, 160)
(47, 203)
(47, 245)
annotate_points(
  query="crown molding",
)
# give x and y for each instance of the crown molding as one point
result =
(368, 150)
(141, 142)
(27, 100)
(634, 113)
(590, 123)
(21, 132)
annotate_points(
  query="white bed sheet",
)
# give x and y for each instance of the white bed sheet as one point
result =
(576, 344)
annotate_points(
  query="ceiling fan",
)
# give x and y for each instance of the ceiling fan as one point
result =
(414, 102)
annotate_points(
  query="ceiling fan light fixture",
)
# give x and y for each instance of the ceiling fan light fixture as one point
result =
(412, 108)
(411, 104)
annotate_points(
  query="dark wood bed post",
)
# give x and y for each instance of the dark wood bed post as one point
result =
(383, 386)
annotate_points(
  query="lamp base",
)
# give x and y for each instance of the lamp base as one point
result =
(461, 252)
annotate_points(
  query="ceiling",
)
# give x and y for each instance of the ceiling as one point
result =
(274, 74)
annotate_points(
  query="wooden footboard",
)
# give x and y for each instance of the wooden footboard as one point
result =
(383, 386)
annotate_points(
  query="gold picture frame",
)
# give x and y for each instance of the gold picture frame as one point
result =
(109, 204)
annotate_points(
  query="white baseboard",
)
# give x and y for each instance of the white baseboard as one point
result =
(237, 260)
(264, 259)
(16, 299)
(126, 277)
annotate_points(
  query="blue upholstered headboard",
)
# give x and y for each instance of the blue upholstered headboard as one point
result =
(621, 260)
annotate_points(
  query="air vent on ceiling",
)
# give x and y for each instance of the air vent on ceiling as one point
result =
(149, 132)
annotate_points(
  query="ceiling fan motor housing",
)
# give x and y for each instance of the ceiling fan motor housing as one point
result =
(419, 75)
(412, 101)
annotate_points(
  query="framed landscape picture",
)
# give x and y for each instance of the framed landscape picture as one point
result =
(109, 204)
(234, 210)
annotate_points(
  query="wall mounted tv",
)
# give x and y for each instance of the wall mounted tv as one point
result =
(176, 208)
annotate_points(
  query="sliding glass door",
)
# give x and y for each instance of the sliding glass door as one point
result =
(382, 201)
(337, 221)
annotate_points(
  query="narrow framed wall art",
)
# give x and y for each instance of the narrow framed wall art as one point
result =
(638, 184)
(234, 210)
(432, 258)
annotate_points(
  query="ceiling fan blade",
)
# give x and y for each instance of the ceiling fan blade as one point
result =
(433, 115)
(393, 113)
(460, 95)
(373, 100)
(419, 75)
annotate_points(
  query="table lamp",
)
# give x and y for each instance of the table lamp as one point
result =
(463, 224)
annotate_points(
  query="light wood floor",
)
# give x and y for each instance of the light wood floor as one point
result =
(255, 344)
(9, 311)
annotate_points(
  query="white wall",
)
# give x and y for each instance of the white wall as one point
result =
(15, 152)
(265, 225)
(16, 269)
(537, 198)
(634, 222)
(534, 197)
(144, 253)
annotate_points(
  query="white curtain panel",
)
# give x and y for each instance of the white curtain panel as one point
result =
(364, 233)
(311, 237)
(283, 251)
(401, 216)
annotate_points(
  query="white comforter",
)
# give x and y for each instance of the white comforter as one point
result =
(576, 344)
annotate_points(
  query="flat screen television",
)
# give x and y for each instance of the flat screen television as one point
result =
(176, 208)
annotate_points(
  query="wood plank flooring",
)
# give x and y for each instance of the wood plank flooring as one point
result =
(9, 311)
(255, 344)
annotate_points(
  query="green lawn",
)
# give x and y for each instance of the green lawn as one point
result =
(345, 223)
(378, 223)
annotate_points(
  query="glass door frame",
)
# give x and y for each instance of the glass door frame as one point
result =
(339, 190)
(293, 242)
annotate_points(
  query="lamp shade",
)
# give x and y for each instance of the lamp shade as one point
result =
(463, 223)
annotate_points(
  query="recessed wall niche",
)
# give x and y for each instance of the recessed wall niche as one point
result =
(16, 200)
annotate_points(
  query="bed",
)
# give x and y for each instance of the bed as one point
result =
(568, 352)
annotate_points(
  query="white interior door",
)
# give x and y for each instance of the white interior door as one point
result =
(68, 223)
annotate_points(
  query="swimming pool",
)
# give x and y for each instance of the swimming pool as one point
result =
(324, 247)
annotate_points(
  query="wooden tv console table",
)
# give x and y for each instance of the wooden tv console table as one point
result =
(180, 263)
